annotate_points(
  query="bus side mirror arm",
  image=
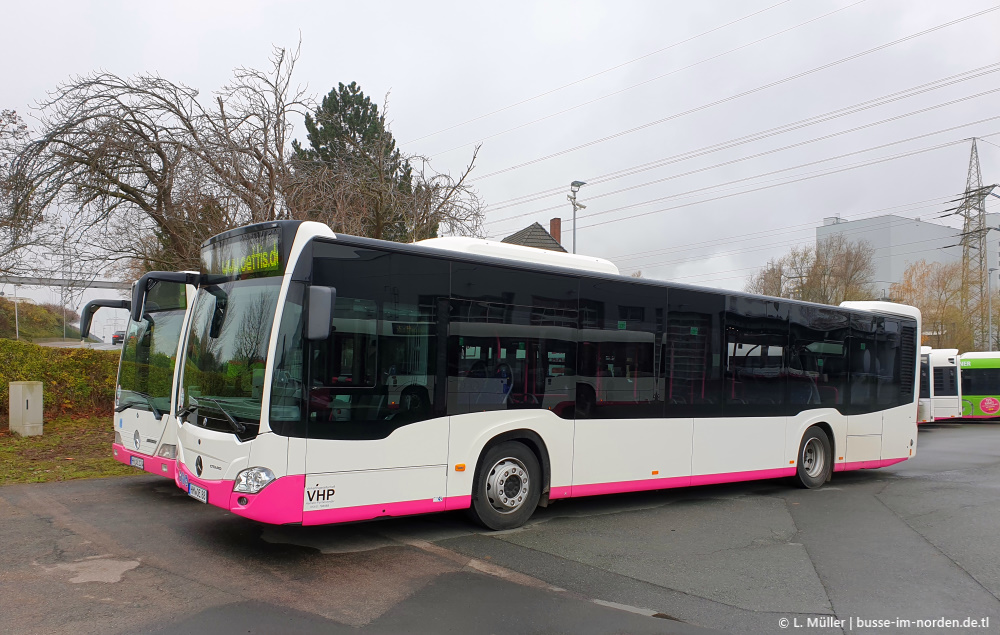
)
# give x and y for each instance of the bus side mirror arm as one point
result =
(320, 316)
(87, 316)
(142, 286)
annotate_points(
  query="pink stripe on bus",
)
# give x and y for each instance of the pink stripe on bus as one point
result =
(621, 487)
(218, 491)
(279, 503)
(368, 512)
(866, 465)
(152, 464)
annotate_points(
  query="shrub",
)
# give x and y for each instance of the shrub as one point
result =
(74, 380)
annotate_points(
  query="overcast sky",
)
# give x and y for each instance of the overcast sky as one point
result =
(563, 91)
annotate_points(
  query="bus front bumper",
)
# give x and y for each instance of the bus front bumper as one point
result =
(152, 464)
(279, 503)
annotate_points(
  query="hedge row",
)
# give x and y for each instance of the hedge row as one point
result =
(74, 380)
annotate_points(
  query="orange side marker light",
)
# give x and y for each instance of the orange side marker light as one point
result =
(460, 467)
(655, 472)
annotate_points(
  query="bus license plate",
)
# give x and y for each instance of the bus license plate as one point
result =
(198, 493)
(135, 461)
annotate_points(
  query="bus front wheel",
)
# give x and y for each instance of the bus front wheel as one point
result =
(815, 461)
(507, 487)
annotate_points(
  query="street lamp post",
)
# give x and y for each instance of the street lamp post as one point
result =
(17, 327)
(989, 295)
(574, 187)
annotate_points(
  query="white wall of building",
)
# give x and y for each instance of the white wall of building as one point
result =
(900, 242)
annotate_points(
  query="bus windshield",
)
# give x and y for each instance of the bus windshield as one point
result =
(149, 351)
(227, 352)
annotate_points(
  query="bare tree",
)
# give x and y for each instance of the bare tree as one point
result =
(830, 273)
(21, 224)
(149, 171)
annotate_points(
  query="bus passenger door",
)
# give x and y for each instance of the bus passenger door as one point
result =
(377, 438)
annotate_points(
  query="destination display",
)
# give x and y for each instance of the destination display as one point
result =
(250, 255)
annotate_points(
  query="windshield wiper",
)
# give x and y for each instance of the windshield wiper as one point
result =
(237, 427)
(187, 410)
(149, 402)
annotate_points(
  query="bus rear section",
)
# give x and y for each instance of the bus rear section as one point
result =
(532, 382)
(980, 385)
(145, 398)
(945, 384)
(925, 408)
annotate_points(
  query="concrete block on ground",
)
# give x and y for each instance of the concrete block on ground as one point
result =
(26, 408)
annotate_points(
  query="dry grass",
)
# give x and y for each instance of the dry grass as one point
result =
(70, 448)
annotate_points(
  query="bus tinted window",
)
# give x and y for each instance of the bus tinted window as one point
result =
(980, 381)
(149, 351)
(945, 383)
(504, 356)
(620, 349)
(818, 372)
(692, 354)
(864, 367)
(288, 398)
(888, 361)
(925, 378)
(377, 370)
(754, 367)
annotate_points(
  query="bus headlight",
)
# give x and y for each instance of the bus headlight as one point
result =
(118, 437)
(167, 451)
(253, 480)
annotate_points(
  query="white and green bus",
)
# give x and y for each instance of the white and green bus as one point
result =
(979, 374)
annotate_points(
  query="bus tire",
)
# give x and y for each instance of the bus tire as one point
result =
(507, 487)
(815, 461)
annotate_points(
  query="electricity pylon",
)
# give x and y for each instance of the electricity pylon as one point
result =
(974, 265)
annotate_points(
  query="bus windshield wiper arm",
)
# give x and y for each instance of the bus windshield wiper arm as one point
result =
(149, 401)
(237, 427)
(187, 410)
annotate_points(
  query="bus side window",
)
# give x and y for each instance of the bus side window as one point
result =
(817, 367)
(693, 345)
(620, 337)
(755, 366)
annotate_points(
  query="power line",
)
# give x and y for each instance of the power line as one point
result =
(648, 81)
(921, 204)
(768, 152)
(756, 136)
(597, 74)
(738, 95)
(768, 246)
(757, 268)
(793, 229)
(804, 178)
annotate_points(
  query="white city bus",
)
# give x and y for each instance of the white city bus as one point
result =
(940, 384)
(145, 420)
(549, 376)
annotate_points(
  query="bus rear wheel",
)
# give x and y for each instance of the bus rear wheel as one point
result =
(815, 461)
(507, 486)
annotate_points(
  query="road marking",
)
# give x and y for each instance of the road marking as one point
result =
(473, 563)
(626, 607)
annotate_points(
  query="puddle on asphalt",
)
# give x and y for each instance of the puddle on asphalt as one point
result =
(95, 569)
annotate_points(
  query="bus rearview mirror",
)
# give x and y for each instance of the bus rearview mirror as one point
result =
(89, 309)
(320, 317)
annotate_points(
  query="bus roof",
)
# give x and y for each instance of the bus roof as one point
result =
(980, 354)
(480, 247)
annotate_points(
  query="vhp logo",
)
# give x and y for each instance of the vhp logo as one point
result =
(322, 494)
(198, 467)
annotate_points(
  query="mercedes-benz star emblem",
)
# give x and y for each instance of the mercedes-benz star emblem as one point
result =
(136, 439)
(198, 466)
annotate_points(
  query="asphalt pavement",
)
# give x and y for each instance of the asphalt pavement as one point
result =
(915, 541)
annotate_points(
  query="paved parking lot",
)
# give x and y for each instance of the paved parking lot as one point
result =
(135, 555)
